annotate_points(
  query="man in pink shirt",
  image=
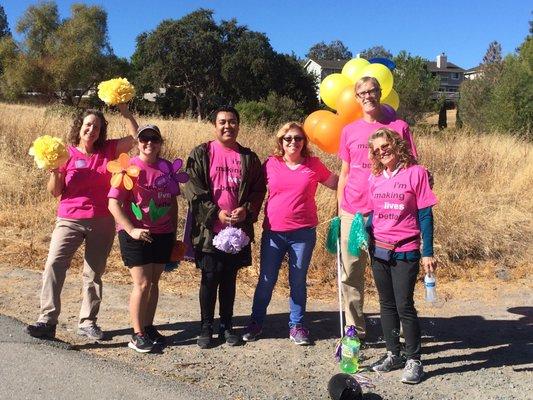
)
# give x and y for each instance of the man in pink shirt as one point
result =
(353, 189)
(226, 187)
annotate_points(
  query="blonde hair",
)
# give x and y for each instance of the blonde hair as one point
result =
(366, 79)
(398, 145)
(278, 148)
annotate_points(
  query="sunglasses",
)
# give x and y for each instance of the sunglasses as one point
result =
(149, 138)
(383, 148)
(289, 139)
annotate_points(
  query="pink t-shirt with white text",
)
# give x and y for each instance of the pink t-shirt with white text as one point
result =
(155, 217)
(353, 149)
(225, 173)
(87, 182)
(396, 201)
(291, 193)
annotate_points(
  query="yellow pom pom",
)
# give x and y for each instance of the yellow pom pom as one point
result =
(116, 91)
(49, 152)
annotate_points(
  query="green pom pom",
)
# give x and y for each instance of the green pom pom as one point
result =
(357, 238)
(333, 234)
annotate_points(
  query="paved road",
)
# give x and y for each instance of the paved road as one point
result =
(38, 369)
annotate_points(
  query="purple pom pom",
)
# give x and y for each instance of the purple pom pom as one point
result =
(231, 240)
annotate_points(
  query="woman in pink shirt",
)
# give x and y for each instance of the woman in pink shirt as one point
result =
(401, 204)
(146, 220)
(82, 216)
(353, 189)
(292, 175)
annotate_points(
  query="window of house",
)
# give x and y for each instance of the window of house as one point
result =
(455, 75)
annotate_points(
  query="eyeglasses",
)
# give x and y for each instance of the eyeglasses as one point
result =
(153, 139)
(383, 148)
(289, 139)
(371, 92)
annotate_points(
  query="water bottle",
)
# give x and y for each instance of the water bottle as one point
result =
(431, 290)
(350, 345)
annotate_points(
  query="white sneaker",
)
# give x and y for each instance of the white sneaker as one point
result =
(388, 363)
(413, 372)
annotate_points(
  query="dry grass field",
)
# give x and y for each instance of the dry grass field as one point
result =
(483, 182)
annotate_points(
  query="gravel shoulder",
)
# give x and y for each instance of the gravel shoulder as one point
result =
(477, 344)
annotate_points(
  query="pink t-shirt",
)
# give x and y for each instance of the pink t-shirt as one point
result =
(396, 201)
(87, 182)
(291, 193)
(151, 201)
(225, 174)
(354, 150)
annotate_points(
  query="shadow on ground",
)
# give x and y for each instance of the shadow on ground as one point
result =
(474, 342)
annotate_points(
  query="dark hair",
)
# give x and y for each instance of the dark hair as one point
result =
(225, 108)
(74, 135)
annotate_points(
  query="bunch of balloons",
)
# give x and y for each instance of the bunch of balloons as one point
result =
(337, 91)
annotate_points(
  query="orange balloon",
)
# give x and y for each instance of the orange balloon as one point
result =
(312, 120)
(347, 106)
(327, 132)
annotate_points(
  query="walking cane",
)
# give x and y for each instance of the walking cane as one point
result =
(339, 283)
(333, 244)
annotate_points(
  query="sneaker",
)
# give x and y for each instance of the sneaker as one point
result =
(154, 335)
(206, 337)
(299, 335)
(253, 330)
(388, 363)
(41, 330)
(140, 343)
(92, 332)
(413, 372)
(228, 336)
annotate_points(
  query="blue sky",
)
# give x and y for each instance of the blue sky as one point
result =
(462, 29)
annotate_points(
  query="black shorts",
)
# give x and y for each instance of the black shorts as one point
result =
(138, 252)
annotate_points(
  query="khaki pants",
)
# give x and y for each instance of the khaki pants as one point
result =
(68, 235)
(352, 278)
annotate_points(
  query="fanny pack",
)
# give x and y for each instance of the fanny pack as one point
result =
(383, 251)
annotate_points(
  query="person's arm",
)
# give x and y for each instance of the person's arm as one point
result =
(115, 207)
(125, 144)
(332, 182)
(197, 193)
(343, 176)
(56, 182)
(408, 137)
(252, 204)
(425, 221)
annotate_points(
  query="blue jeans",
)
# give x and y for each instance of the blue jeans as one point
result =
(299, 244)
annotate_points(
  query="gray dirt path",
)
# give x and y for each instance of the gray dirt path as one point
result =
(478, 344)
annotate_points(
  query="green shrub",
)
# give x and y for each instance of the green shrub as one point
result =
(271, 112)
(501, 99)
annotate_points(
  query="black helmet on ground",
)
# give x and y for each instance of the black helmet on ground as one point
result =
(344, 387)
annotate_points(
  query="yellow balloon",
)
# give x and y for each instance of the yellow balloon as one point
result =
(331, 87)
(383, 75)
(353, 69)
(392, 99)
